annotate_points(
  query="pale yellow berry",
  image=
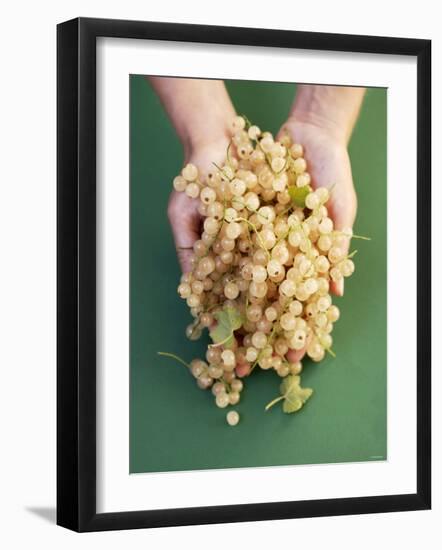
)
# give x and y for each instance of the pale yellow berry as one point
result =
(296, 150)
(179, 184)
(266, 144)
(288, 321)
(233, 230)
(323, 194)
(192, 190)
(303, 179)
(251, 201)
(295, 308)
(228, 358)
(238, 123)
(232, 418)
(335, 254)
(259, 340)
(274, 268)
(237, 187)
(190, 172)
(333, 313)
(222, 400)
(324, 243)
(326, 226)
(299, 165)
(231, 290)
(251, 354)
(254, 132)
(278, 164)
(295, 368)
(259, 290)
(347, 267)
(312, 201)
(254, 313)
(271, 313)
(287, 288)
(234, 397)
(259, 273)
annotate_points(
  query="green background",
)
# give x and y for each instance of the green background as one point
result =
(176, 426)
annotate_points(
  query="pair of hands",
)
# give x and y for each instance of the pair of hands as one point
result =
(328, 162)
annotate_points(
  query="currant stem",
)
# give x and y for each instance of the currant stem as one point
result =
(361, 237)
(284, 168)
(222, 171)
(173, 356)
(258, 236)
(222, 341)
(247, 121)
(229, 160)
(274, 401)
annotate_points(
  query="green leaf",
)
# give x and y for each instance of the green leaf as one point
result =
(294, 395)
(299, 194)
(228, 319)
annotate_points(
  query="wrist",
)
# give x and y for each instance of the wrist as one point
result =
(331, 109)
(208, 133)
(200, 110)
(328, 127)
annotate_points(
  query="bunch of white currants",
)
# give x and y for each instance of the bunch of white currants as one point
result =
(261, 271)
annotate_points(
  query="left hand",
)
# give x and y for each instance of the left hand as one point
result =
(182, 211)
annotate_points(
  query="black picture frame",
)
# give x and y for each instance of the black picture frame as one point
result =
(76, 273)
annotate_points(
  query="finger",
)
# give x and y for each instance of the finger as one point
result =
(295, 355)
(184, 221)
(343, 211)
(185, 259)
(337, 287)
(184, 235)
(242, 370)
(283, 132)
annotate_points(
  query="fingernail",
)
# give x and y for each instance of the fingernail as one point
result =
(341, 287)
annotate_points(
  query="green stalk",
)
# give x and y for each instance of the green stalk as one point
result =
(258, 236)
(247, 121)
(361, 237)
(222, 341)
(173, 356)
(274, 401)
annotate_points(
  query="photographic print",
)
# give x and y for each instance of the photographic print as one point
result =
(225, 352)
(258, 274)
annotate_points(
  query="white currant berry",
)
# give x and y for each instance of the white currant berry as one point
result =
(179, 183)
(238, 123)
(303, 179)
(299, 165)
(312, 201)
(232, 418)
(259, 273)
(208, 195)
(222, 400)
(190, 172)
(326, 226)
(254, 132)
(296, 151)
